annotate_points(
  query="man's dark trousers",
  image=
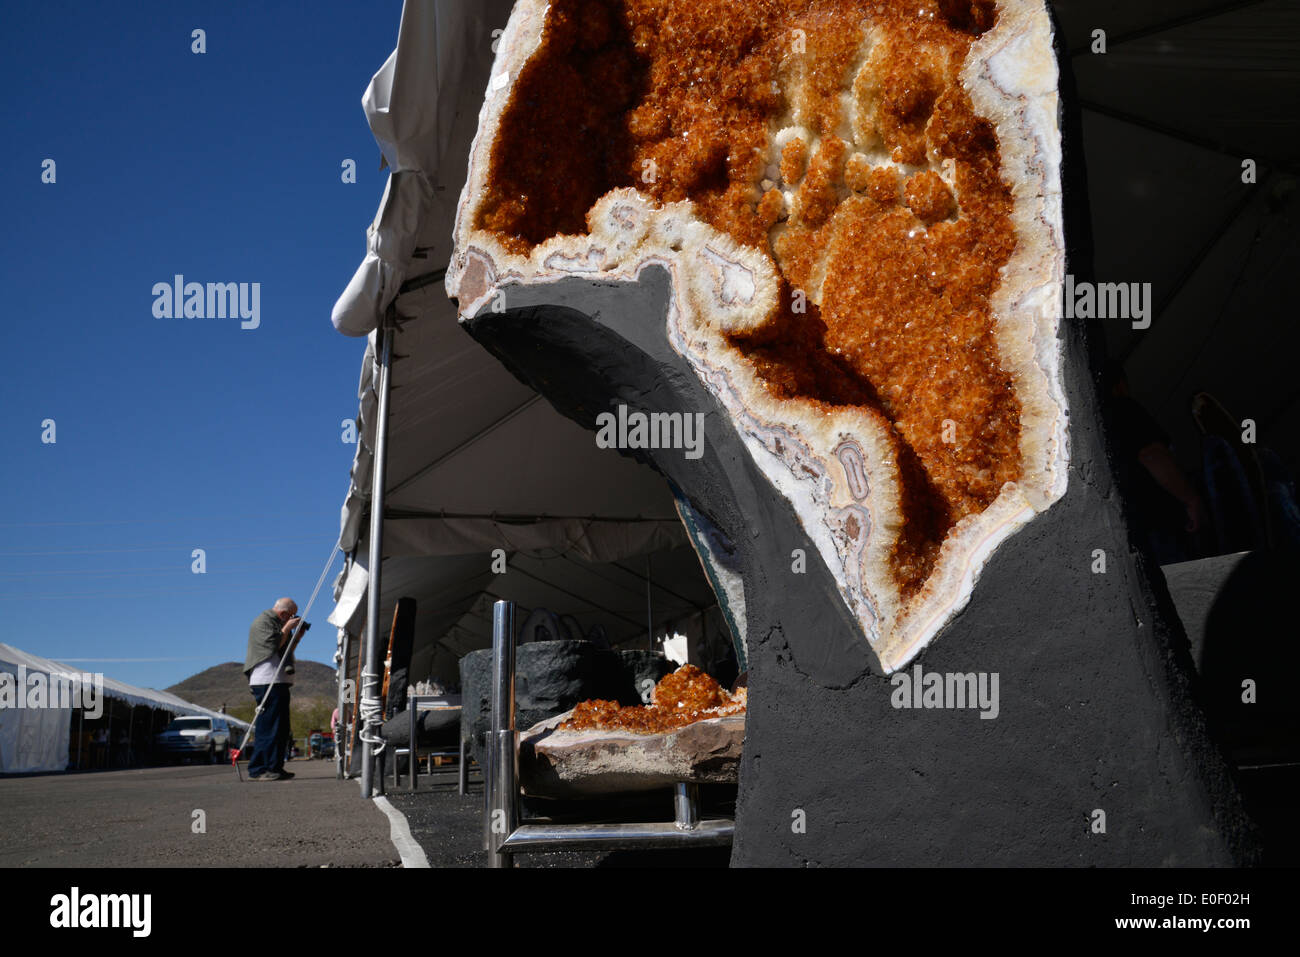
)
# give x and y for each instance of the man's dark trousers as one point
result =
(271, 733)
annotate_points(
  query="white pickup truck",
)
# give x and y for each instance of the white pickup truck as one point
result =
(193, 736)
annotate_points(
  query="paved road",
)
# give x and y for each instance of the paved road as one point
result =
(144, 818)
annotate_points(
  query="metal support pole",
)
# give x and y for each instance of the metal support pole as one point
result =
(649, 610)
(373, 666)
(80, 714)
(686, 806)
(341, 705)
(341, 702)
(461, 768)
(502, 785)
(412, 764)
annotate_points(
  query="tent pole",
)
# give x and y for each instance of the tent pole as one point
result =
(81, 712)
(370, 676)
(500, 783)
(341, 704)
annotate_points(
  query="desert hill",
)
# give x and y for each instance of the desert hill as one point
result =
(225, 684)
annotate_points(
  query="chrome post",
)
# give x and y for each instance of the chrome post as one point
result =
(341, 675)
(412, 765)
(503, 789)
(341, 703)
(686, 805)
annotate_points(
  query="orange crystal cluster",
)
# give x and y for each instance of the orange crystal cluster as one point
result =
(680, 99)
(681, 698)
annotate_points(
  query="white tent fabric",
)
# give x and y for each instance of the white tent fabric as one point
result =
(470, 448)
(422, 107)
(36, 739)
(32, 739)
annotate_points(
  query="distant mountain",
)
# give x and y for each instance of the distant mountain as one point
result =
(226, 684)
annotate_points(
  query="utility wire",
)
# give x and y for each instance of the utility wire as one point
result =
(192, 543)
(156, 521)
(141, 572)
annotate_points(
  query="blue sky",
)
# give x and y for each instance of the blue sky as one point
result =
(176, 434)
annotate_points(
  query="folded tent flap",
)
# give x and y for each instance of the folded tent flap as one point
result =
(422, 106)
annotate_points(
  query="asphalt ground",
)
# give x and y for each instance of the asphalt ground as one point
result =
(448, 826)
(145, 818)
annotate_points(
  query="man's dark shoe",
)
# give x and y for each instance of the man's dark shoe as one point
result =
(285, 774)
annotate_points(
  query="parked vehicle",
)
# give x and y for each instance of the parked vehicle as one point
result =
(196, 737)
(321, 745)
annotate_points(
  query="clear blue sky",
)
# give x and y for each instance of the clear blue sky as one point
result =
(176, 434)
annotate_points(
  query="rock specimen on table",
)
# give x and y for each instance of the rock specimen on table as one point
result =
(692, 730)
(551, 677)
(858, 204)
(562, 764)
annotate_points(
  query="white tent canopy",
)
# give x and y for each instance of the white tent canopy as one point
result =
(471, 450)
(36, 739)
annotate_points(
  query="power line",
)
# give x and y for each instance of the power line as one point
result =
(100, 594)
(157, 521)
(142, 572)
(159, 545)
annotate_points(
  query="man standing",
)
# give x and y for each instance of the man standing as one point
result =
(267, 639)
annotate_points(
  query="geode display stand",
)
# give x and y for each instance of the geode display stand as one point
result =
(507, 834)
(955, 655)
